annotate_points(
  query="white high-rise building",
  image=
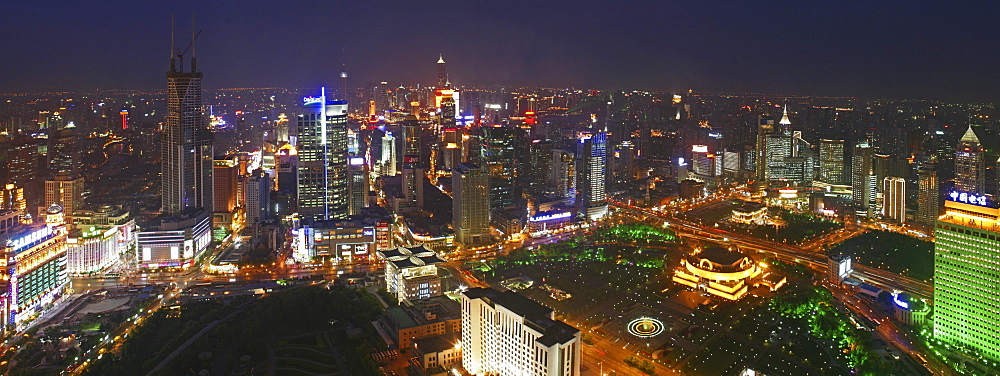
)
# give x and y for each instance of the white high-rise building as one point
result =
(894, 199)
(388, 160)
(506, 334)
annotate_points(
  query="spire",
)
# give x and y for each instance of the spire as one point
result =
(173, 67)
(440, 59)
(970, 136)
(784, 117)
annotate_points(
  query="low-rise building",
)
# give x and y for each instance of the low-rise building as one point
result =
(411, 272)
(726, 273)
(436, 354)
(421, 319)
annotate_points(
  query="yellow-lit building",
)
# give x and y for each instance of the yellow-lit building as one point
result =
(749, 213)
(726, 273)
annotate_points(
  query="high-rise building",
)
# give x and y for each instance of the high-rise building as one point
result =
(507, 334)
(64, 150)
(470, 205)
(592, 164)
(65, 191)
(413, 164)
(539, 164)
(928, 196)
(831, 161)
(894, 199)
(322, 159)
(765, 126)
(389, 157)
(498, 160)
(186, 152)
(35, 261)
(966, 250)
(862, 178)
(442, 73)
(225, 175)
(563, 176)
(357, 185)
(970, 171)
(257, 197)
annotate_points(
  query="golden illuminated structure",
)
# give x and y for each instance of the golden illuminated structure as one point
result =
(726, 273)
(749, 213)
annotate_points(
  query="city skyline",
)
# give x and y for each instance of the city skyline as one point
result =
(849, 50)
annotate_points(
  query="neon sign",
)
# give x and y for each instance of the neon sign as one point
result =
(311, 100)
(31, 238)
(549, 217)
(968, 198)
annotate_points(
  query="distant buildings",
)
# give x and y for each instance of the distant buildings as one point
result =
(506, 334)
(966, 254)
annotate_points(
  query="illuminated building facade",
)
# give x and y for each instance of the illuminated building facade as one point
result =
(186, 146)
(498, 161)
(176, 242)
(322, 159)
(894, 199)
(592, 164)
(413, 166)
(470, 205)
(35, 261)
(507, 334)
(102, 239)
(411, 272)
(339, 242)
(749, 213)
(724, 273)
(545, 222)
(862, 177)
(970, 170)
(831, 161)
(966, 265)
(257, 197)
(65, 191)
(928, 196)
(224, 176)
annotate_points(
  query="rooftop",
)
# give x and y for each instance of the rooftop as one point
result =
(438, 343)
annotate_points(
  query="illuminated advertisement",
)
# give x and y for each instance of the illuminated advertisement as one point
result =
(549, 217)
(969, 198)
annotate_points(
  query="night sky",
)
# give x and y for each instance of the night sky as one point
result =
(946, 50)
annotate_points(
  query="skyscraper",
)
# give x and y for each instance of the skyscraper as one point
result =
(765, 126)
(498, 161)
(862, 179)
(969, 168)
(928, 202)
(322, 152)
(894, 199)
(186, 147)
(470, 205)
(831, 161)
(966, 250)
(442, 73)
(413, 167)
(358, 185)
(591, 170)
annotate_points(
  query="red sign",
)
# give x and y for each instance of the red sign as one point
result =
(411, 159)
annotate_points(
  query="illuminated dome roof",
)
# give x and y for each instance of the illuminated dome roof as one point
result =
(54, 209)
(718, 259)
(970, 136)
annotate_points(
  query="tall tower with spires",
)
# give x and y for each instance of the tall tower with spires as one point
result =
(442, 73)
(186, 146)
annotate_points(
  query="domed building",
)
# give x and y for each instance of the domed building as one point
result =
(726, 273)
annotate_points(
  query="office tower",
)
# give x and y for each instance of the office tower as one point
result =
(627, 156)
(358, 185)
(966, 250)
(591, 170)
(470, 205)
(765, 126)
(778, 147)
(539, 164)
(862, 179)
(12, 198)
(186, 146)
(413, 168)
(388, 159)
(498, 160)
(563, 176)
(19, 161)
(970, 172)
(450, 151)
(64, 151)
(928, 205)
(442, 73)
(257, 197)
(894, 199)
(702, 162)
(65, 191)
(322, 154)
(506, 334)
(224, 176)
(831, 161)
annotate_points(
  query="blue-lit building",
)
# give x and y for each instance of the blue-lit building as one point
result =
(322, 165)
(35, 260)
(591, 172)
